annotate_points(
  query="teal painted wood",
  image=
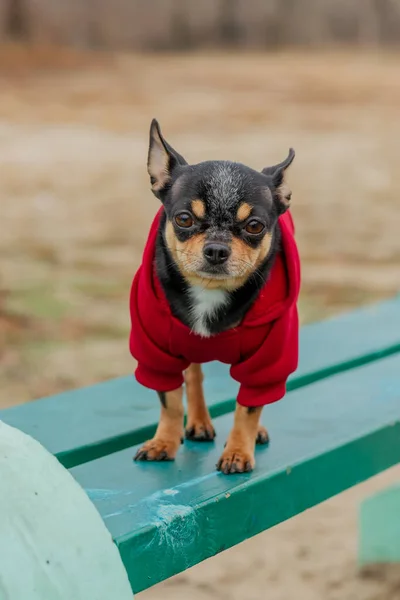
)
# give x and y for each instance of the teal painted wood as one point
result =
(85, 424)
(379, 528)
(325, 438)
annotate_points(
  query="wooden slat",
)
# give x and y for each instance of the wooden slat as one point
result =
(325, 438)
(379, 528)
(85, 424)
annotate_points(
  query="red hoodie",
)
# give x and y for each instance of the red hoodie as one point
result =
(262, 350)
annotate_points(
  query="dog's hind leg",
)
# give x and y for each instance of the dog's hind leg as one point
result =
(262, 436)
(168, 436)
(199, 426)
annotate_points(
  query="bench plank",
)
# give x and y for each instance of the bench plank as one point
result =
(379, 528)
(327, 437)
(88, 423)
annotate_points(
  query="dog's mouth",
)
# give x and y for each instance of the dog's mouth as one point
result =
(226, 276)
(213, 275)
(209, 271)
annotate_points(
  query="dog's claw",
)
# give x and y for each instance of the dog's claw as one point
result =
(157, 450)
(262, 436)
(235, 462)
(141, 455)
(200, 433)
(227, 469)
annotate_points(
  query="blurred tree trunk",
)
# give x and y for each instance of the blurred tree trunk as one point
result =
(3, 18)
(187, 24)
(13, 19)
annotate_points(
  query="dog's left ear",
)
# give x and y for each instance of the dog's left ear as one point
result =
(282, 192)
(162, 160)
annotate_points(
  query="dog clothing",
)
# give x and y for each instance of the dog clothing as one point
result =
(262, 350)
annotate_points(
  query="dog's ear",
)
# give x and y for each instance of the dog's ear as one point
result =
(161, 161)
(276, 174)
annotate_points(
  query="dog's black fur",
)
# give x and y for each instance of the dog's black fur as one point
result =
(223, 187)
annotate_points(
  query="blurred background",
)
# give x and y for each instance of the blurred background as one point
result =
(233, 79)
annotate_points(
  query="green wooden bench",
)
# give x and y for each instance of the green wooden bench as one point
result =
(338, 425)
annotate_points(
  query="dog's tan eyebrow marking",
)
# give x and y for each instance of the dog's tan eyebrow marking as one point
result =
(198, 208)
(243, 212)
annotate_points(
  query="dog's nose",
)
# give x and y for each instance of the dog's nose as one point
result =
(215, 253)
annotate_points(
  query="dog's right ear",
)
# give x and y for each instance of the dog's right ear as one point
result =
(277, 174)
(162, 160)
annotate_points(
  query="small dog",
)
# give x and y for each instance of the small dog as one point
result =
(219, 280)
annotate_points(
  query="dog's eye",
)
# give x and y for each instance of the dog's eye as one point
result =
(184, 219)
(254, 227)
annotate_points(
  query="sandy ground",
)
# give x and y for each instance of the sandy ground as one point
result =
(75, 208)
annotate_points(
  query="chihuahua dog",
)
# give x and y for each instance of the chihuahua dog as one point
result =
(219, 280)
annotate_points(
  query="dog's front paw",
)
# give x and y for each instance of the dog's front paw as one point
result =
(158, 449)
(236, 460)
(200, 431)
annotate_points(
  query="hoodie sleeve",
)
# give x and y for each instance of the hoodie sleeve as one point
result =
(157, 368)
(263, 373)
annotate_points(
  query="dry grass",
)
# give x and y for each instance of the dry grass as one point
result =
(75, 205)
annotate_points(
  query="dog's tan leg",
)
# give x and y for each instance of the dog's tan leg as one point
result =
(238, 456)
(168, 436)
(199, 426)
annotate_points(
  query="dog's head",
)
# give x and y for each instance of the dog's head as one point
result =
(220, 215)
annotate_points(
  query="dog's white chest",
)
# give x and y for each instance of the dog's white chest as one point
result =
(204, 305)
